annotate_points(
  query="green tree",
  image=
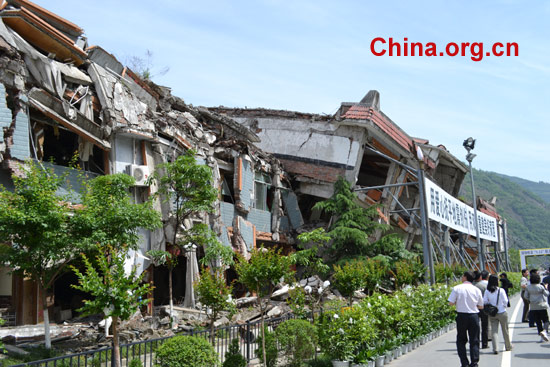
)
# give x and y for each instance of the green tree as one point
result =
(265, 269)
(110, 220)
(308, 257)
(392, 247)
(215, 295)
(188, 185)
(351, 224)
(350, 277)
(114, 293)
(36, 230)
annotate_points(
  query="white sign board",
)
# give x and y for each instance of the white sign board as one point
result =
(533, 252)
(453, 213)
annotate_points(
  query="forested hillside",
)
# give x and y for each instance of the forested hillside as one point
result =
(527, 214)
(540, 188)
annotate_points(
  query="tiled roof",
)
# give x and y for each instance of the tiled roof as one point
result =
(359, 112)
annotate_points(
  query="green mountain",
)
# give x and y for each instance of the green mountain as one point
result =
(526, 212)
(540, 188)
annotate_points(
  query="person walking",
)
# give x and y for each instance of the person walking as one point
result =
(468, 301)
(546, 282)
(523, 285)
(537, 294)
(506, 284)
(481, 283)
(497, 297)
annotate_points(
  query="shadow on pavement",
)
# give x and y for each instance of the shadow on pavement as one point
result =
(533, 355)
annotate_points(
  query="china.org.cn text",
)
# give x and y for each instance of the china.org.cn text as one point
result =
(380, 46)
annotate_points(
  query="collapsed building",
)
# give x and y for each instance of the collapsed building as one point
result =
(363, 145)
(59, 96)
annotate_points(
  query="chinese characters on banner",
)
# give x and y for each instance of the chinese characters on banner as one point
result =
(453, 213)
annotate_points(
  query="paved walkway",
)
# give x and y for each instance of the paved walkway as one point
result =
(527, 352)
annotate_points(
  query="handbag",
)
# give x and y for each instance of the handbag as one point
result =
(489, 309)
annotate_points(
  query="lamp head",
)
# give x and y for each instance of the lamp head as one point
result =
(419, 153)
(469, 144)
(470, 157)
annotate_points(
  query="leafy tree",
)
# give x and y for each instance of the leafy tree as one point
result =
(188, 185)
(309, 258)
(298, 340)
(111, 221)
(392, 247)
(265, 269)
(349, 278)
(215, 295)
(36, 230)
(115, 293)
(351, 224)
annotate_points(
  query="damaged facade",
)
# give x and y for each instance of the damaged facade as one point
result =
(362, 144)
(59, 96)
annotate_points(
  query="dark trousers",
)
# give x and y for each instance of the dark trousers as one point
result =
(525, 308)
(467, 326)
(540, 316)
(484, 329)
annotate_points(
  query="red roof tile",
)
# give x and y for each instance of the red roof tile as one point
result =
(359, 112)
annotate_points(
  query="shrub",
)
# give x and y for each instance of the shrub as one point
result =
(298, 339)
(344, 332)
(186, 351)
(233, 358)
(271, 350)
(349, 278)
(135, 363)
(297, 302)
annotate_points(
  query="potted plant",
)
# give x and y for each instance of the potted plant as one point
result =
(343, 332)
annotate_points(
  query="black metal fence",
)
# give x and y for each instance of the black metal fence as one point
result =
(144, 351)
(9, 318)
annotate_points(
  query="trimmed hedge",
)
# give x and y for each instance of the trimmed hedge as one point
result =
(186, 351)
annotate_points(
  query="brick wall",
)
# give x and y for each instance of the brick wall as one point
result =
(313, 170)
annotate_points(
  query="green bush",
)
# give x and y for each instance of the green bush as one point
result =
(321, 361)
(233, 358)
(298, 339)
(186, 351)
(135, 363)
(443, 273)
(515, 279)
(271, 350)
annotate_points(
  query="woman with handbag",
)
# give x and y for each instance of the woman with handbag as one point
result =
(537, 294)
(495, 301)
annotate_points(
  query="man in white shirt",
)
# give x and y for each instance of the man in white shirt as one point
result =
(468, 301)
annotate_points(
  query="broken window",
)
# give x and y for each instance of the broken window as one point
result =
(263, 191)
(51, 142)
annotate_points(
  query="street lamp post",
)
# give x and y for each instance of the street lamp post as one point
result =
(424, 220)
(469, 145)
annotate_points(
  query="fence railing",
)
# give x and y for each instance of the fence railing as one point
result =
(144, 351)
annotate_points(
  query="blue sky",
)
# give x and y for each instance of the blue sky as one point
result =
(310, 56)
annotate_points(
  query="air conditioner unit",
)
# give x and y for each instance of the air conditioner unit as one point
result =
(139, 173)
